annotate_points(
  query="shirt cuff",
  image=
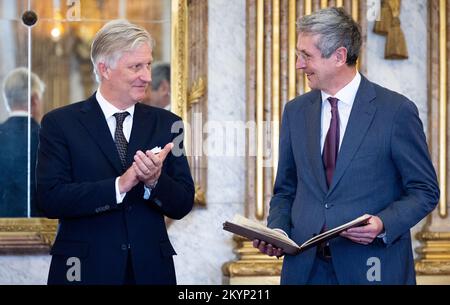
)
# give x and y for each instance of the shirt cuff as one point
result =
(148, 190)
(383, 237)
(119, 196)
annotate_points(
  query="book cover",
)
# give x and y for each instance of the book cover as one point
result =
(253, 230)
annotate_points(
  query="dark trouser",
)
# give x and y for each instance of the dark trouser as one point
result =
(322, 272)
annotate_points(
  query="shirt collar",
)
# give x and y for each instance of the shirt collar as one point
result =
(108, 108)
(348, 93)
(18, 113)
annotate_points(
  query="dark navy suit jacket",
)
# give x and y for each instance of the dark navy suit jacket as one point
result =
(383, 168)
(76, 171)
(14, 167)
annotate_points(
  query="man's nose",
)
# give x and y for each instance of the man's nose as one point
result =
(146, 75)
(300, 63)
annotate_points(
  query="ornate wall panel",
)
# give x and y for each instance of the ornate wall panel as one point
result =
(434, 253)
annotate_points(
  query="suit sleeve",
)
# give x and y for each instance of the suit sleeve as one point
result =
(285, 183)
(58, 196)
(411, 157)
(174, 193)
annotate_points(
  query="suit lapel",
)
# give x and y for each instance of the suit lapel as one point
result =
(313, 126)
(93, 119)
(361, 117)
(144, 125)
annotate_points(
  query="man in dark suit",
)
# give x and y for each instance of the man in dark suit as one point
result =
(15, 172)
(347, 148)
(100, 174)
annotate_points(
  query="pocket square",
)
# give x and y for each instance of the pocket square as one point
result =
(156, 150)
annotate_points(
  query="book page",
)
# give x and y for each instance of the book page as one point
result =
(243, 221)
(335, 231)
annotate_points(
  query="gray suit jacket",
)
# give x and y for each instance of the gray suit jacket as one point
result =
(383, 169)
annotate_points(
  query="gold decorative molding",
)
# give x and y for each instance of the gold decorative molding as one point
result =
(259, 211)
(179, 58)
(25, 235)
(198, 91)
(308, 10)
(434, 250)
(251, 262)
(355, 9)
(389, 24)
(434, 254)
(433, 236)
(276, 41)
(199, 198)
(382, 24)
(252, 268)
(197, 101)
(292, 30)
(443, 121)
(432, 268)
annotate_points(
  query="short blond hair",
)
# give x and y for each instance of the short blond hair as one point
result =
(15, 88)
(115, 38)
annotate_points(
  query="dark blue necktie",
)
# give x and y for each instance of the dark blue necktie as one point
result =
(119, 138)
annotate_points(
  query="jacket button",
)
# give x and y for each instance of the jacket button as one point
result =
(124, 247)
(327, 206)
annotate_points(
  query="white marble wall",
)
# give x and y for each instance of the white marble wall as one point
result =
(24, 269)
(408, 77)
(201, 243)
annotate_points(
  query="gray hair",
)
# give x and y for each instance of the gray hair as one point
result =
(160, 72)
(115, 38)
(15, 88)
(336, 29)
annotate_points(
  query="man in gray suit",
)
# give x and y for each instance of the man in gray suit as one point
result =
(347, 148)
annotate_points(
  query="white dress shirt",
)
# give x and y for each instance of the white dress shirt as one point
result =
(346, 97)
(109, 110)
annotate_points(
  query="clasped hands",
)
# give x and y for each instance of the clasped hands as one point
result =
(146, 168)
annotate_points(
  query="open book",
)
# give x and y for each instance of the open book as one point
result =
(253, 230)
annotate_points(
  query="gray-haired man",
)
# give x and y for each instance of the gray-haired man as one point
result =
(158, 94)
(347, 148)
(99, 171)
(14, 139)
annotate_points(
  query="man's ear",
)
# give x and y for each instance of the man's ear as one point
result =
(164, 87)
(34, 100)
(341, 56)
(103, 70)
